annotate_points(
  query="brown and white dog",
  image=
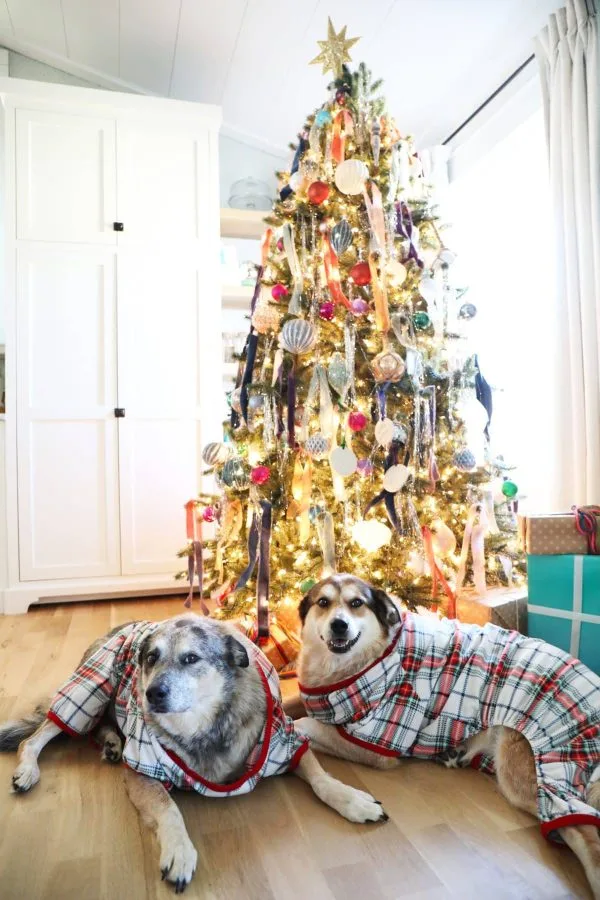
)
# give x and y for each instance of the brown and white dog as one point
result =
(348, 627)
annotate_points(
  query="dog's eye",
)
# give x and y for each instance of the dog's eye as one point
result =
(356, 602)
(189, 659)
(323, 602)
(151, 657)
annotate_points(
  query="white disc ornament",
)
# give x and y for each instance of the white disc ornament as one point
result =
(384, 432)
(350, 176)
(371, 535)
(317, 445)
(396, 272)
(343, 461)
(298, 336)
(395, 478)
(215, 454)
(443, 540)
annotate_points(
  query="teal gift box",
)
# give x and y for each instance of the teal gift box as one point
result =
(563, 606)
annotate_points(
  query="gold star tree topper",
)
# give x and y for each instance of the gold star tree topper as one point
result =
(334, 51)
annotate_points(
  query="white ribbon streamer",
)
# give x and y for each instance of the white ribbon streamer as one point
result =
(474, 536)
(294, 264)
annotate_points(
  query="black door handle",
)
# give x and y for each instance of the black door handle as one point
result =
(117, 226)
(119, 412)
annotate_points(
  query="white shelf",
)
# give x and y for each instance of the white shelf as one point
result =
(243, 223)
(236, 296)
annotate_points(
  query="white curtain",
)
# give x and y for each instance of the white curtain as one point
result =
(567, 53)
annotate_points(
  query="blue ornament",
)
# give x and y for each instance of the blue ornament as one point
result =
(323, 117)
(464, 460)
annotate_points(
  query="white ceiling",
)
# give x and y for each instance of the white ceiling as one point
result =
(440, 58)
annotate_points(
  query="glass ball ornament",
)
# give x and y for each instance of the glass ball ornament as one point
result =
(235, 473)
(359, 306)
(256, 401)
(360, 274)
(421, 320)
(510, 489)
(215, 454)
(209, 514)
(446, 256)
(323, 117)
(400, 433)
(317, 445)
(388, 366)
(278, 292)
(327, 310)
(350, 176)
(337, 373)
(236, 400)
(309, 168)
(467, 311)
(357, 421)
(265, 318)
(364, 467)
(464, 460)
(341, 236)
(260, 474)
(318, 192)
(298, 336)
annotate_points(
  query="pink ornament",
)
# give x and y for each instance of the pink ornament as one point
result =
(209, 514)
(364, 467)
(327, 310)
(260, 474)
(359, 306)
(278, 291)
(357, 420)
(280, 244)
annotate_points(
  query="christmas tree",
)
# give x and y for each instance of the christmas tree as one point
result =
(358, 436)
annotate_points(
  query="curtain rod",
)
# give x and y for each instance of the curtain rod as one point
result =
(490, 98)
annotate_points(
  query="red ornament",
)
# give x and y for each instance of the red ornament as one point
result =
(318, 192)
(260, 474)
(327, 310)
(357, 420)
(209, 514)
(341, 97)
(278, 291)
(361, 274)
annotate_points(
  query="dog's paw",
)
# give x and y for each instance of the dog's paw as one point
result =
(351, 803)
(112, 747)
(452, 759)
(178, 861)
(26, 775)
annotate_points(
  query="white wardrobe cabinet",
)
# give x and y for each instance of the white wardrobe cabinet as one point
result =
(113, 335)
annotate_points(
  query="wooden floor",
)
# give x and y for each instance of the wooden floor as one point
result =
(76, 837)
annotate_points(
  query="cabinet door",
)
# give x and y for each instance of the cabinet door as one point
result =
(67, 439)
(162, 171)
(159, 438)
(66, 177)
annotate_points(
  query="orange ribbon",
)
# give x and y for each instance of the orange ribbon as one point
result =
(338, 140)
(264, 246)
(437, 575)
(301, 491)
(382, 315)
(332, 274)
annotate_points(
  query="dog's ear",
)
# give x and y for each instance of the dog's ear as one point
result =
(305, 605)
(235, 653)
(384, 608)
(142, 650)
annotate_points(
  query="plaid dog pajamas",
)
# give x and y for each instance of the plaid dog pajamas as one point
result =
(439, 682)
(111, 675)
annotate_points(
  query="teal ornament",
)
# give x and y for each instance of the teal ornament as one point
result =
(341, 236)
(236, 473)
(307, 584)
(337, 373)
(323, 117)
(464, 460)
(421, 321)
(509, 489)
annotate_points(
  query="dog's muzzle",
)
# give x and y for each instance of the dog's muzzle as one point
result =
(339, 642)
(157, 696)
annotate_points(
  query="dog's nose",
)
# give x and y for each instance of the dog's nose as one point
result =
(339, 627)
(157, 693)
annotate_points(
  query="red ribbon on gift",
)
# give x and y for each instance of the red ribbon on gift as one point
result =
(586, 524)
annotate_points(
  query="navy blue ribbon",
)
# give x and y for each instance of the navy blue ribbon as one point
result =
(263, 580)
(251, 347)
(483, 392)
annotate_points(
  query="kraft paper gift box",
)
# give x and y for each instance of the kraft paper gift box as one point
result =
(543, 535)
(502, 606)
(564, 604)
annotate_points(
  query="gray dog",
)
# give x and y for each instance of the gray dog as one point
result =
(198, 707)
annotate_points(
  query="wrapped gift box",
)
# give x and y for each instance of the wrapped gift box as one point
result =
(505, 607)
(564, 604)
(544, 535)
